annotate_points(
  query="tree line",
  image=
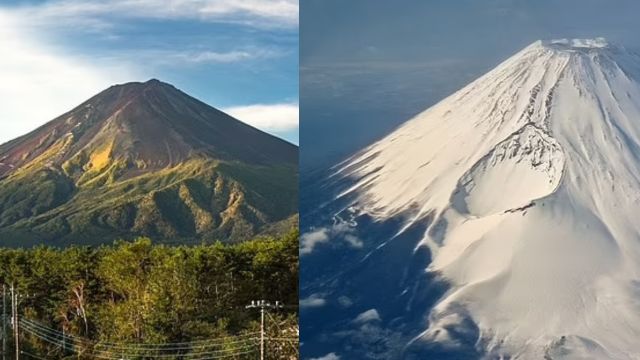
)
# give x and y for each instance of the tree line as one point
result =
(137, 292)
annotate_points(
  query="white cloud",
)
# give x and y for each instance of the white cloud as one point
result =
(308, 241)
(37, 83)
(260, 13)
(218, 57)
(330, 356)
(354, 241)
(345, 301)
(369, 315)
(207, 56)
(267, 117)
(313, 301)
(342, 232)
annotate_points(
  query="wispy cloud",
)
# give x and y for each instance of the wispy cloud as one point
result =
(330, 356)
(313, 301)
(210, 56)
(267, 117)
(219, 57)
(51, 60)
(259, 13)
(369, 315)
(39, 83)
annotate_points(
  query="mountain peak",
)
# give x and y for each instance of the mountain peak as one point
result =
(152, 124)
(574, 44)
(161, 162)
(527, 183)
(154, 81)
(140, 86)
(572, 48)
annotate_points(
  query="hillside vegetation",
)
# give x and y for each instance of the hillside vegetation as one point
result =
(140, 293)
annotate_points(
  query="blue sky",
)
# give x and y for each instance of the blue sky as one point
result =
(369, 65)
(240, 56)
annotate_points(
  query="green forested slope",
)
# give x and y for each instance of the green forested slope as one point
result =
(141, 293)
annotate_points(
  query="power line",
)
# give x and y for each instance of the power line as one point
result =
(244, 338)
(219, 339)
(81, 341)
(32, 355)
(86, 342)
(138, 352)
(116, 354)
(204, 349)
(287, 340)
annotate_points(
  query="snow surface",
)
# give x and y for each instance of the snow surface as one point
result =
(532, 173)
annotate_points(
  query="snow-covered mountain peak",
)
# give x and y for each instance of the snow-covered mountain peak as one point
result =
(531, 176)
(437, 147)
(575, 44)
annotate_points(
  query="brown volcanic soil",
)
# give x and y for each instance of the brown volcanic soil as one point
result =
(153, 123)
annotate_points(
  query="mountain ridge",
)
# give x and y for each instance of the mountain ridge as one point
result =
(145, 97)
(169, 152)
(525, 182)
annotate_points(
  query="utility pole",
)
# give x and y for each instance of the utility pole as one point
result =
(263, 306)
(4, 322)
(16, 330)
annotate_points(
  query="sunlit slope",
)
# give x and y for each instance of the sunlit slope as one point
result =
(144, 159)
(532, 176)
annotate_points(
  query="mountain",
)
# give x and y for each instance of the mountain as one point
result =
(502, 220)
(144, 159)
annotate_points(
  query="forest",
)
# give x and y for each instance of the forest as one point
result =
(140, 300)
